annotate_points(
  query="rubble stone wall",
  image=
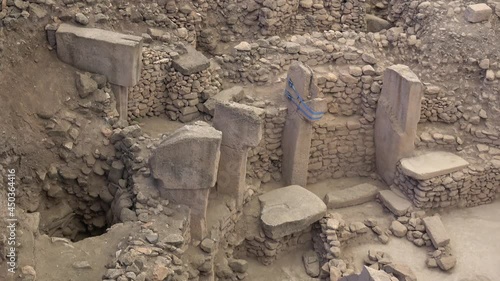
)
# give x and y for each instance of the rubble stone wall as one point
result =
(475, 185)
(163, 90)
(267, 250)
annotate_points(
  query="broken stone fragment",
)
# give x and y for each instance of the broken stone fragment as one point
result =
(478, 13)
(311, 263)
(446, 263)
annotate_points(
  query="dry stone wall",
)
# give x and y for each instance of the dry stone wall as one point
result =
(269, 18)
(267, 250)
(474, 185)
(163, 90)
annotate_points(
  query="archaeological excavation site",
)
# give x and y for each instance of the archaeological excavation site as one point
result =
(256, 140)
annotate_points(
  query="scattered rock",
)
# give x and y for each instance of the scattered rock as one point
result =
(81, 19)
(398, 229)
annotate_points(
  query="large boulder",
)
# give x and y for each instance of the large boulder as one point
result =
(289, 210)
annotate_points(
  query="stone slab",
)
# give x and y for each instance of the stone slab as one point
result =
(289, 210)
(432, 164)
(192, 62)
(232, 94)
(478, 13)
(436, 231)
(188, 158)
(351, 196)
(397, 205)
(116, 55)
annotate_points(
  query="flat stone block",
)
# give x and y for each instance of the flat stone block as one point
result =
(478, 13)
(191, 62)
(351, 196)
(436, 231)
(232, 94)
(289, 210)
(399, 206)
(432, 164)
(116, 55)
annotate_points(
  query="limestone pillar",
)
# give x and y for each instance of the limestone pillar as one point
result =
(121, 97)
(185, 167)
(241, 127)
(398, 113)
(304, 108)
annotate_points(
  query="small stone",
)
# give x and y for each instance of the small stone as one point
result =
(81, 265)
(446, 263)
(81, 19)
(152, 238)
(207, 245)
(243, 46)
(398, 229)
(238, 265)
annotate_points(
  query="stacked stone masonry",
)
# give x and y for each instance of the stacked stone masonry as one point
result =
(281, 17)
(163, 90)
(474, 185)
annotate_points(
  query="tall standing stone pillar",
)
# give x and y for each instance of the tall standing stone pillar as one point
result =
(304, 107)
(185, 167)
(241, 127)
(398, 113)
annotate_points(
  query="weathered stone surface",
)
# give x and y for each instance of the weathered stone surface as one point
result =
(289, 210)
(232, 94)
(436, 231)
(191, 62)
(397, 205)
(478, 13)
(401, 271)
(351, 196)
(116, 55)
(376, 24)
(188, 158)
(398, 112)
(432, 164)
(296, 141)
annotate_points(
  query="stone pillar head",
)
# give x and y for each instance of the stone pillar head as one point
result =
(188, 158)
(241, 125)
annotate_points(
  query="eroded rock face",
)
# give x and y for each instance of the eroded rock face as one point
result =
(289, 210)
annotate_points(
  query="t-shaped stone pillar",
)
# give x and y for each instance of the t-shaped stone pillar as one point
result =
(304, 107)
(116, 55)
(241, 127)
(398, 113)
(185, 166)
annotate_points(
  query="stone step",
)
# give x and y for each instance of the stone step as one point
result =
(351, 196)
(397, 205)
(432, 164)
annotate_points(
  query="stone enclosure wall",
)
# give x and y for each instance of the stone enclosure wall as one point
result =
(163, 90)
(474, 185)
